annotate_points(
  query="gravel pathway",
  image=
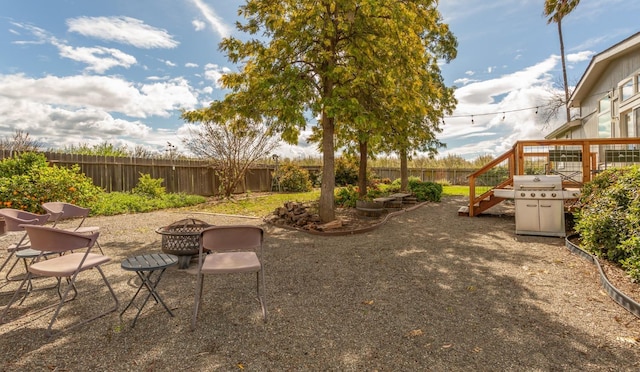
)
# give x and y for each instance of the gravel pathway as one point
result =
(428, 290)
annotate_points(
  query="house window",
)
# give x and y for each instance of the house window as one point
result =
(604, 118)
(626, 90)
(630, 125)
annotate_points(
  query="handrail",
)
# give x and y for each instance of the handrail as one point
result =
(517, 156)
(509, 155)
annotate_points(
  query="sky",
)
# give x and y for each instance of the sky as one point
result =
(78, 72)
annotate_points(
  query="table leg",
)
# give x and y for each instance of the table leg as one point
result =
(151, 288)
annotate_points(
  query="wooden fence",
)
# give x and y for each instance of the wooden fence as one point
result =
(199, 177)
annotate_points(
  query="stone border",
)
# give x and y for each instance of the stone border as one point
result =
(620, 298)
(352, 232)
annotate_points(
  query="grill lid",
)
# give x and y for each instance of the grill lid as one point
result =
(537, 182)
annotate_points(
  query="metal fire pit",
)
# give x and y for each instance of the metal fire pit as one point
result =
(182, 238)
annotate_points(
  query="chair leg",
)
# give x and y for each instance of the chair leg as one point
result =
(196, 303)
(71, 285)
(15, 262)
(13, 298)
(100, 248)
(261, 293)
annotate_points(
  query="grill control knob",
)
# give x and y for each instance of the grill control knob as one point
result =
(543, 195)
(533, 194)
(553, 194)
(522, 194)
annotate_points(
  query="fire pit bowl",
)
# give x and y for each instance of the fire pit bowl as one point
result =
(182, 238)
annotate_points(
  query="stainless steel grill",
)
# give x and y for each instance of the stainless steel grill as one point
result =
(539, 204)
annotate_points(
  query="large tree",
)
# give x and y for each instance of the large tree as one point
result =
(311, 58)
(556, 10)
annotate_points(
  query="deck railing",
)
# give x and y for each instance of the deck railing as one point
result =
(575, 160)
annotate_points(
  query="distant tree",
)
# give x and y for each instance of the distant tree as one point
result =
(556, 10)
(232, 143)
(19, 143)
(101, 149)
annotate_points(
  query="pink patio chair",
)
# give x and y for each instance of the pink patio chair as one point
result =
(14, 220)
(234, 249)
(75, 257)
(60, 211)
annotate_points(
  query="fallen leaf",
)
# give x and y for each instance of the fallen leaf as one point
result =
(240, 365)
(370, 302)
(415, 333)
(446, 346)
(631, 340)
(477, 349)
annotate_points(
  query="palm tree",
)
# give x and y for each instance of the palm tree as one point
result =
(556, 10)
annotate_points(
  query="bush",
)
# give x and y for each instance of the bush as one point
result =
(294, 178)
(149, 187)
(425, 191)
(608, 217)
(27, 181)
(346, 197)
(346, 172)
(113, 203)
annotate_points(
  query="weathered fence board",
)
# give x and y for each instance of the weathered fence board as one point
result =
(199, 177)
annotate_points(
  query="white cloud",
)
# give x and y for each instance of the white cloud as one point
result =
(513, 96)
(198, 25)
(98, 59)
(213, 73)
(464, 81)
(125, 30)
(58, 127)
(212, 18)
(190, 65)
(580, 56)
(110, 94)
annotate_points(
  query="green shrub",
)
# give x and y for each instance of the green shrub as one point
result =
(608, 217)
(149, 187)
(294, 178)
(425, 191)
(346, 197)
(113, 203)
(22, 164)
(27, 181)
(346, 172)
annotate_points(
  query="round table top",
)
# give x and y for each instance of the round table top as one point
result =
(149, 261)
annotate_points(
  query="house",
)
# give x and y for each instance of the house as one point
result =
(607, 96)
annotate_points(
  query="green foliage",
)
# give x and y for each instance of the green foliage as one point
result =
(608, 217)
(27, 181)
(346, 197)
(109, 204)
(425, 191)
(21, 164)
(294, 178)
(149, 187)
(346, 172)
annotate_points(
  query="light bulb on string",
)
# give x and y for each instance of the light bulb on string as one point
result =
(503, 116)
(472, 122)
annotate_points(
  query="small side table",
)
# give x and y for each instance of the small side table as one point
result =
(145, 266)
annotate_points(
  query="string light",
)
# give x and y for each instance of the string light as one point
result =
(504, 114)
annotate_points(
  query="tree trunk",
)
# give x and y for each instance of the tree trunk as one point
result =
(404, 171)
(362, 169)
(564, 71)
(326, 205)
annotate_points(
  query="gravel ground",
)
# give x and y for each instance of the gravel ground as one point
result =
(428, 290)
